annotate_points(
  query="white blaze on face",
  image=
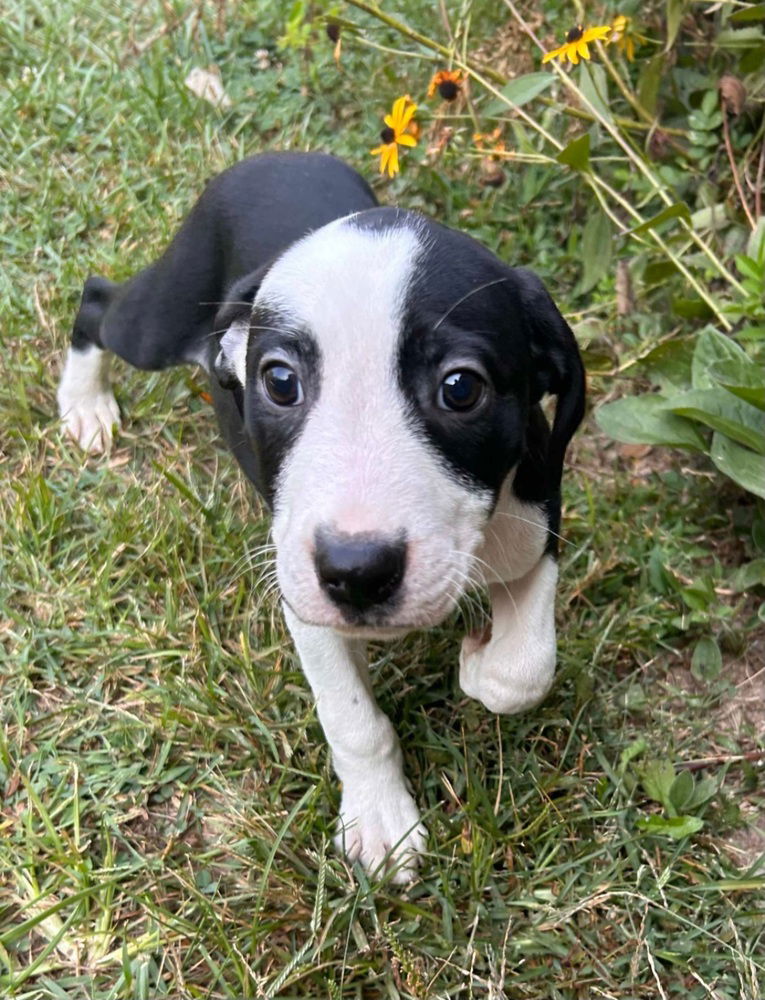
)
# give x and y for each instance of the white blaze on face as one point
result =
(359, 465)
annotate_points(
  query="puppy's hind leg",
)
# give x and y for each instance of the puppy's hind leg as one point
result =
(86, 403)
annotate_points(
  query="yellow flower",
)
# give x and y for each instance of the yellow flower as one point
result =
(624, 37)
(576, 44)
(447, 82)
(397, 124)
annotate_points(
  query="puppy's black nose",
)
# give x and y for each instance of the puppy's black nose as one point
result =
(359, 571)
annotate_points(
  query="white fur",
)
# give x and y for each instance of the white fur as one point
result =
(513, 670)
(379, 822)
(86, 403)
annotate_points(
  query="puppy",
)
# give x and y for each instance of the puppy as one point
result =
(378, 377)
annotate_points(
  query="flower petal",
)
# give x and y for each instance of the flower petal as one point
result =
(583, 50)
(406, 140)
(406, 117)
(393, 160)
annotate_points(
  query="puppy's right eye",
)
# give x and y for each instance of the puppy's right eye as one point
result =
(282, 385)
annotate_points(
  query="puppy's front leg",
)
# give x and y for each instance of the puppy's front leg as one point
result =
(513, 669)
(379, 820)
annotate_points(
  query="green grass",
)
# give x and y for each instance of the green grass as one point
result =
(166, 797)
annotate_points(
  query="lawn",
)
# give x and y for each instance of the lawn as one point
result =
(166, 795)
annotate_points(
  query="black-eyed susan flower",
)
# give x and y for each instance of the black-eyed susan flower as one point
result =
(396, 133)
(448, 83)
(577, 42)
(622, 36)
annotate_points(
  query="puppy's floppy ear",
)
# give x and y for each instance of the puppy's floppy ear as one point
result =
(233, 322)
(556, 366)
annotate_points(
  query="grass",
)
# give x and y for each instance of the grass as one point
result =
(167, 802)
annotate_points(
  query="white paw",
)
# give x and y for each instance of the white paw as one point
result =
(506, 680)
(380, 827)
(90, 422)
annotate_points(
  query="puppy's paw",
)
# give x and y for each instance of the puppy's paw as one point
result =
(380, 827)
(90, 421)
(506, 679)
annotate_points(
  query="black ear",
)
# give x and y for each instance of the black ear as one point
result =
(232, 325)
(556, 365)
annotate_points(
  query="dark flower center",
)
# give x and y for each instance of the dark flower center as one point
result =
(575, 34)
(448, 89)
(387, 135)
(333, 32)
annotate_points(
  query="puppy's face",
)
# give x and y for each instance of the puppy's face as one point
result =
(387, 370)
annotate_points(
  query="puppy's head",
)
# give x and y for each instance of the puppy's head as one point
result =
(388, 366)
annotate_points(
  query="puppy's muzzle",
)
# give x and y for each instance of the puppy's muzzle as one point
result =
(359, 572)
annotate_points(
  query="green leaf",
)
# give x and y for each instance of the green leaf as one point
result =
(678, 210)
(676, 828)
(691, 308)
(669, 364)
(594, 85)
(706, 662)
(751, 574)
(577, 154)
(657, 778)
(521, 90)
(597, 246)
(722, 411)
(681, 791)
(744, 379)
(646, 420)
(754, 13)
(629, 753)
(711, 347)
(739, 38)
(675, 11)
(741, 464)
(649, 83)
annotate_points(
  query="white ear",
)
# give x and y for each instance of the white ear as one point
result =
(231, 363)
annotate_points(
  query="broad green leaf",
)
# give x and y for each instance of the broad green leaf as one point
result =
(646, 420)
(577, 153)
(691, 308)
(754, 13)
(676, 828)
(594, 86)
(739, 38)
(675, 11)
(706, 664)
(657, 778)
(649, 82)
(751, 574)
(711, 216)
(678, 210)
(521, 90)
(703, 790)
(657, 271)
(722, 411)
(712, 347)
(744, 379)
(681, 791)
(597, 246)
(742, 465)
(669, 364)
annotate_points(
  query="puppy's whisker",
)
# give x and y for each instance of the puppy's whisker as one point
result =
(470, 294)
(535, 524)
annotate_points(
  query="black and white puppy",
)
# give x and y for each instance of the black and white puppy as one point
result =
(378, 377)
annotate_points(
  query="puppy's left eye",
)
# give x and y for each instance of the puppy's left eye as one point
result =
(461, 390)
(282, 385)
